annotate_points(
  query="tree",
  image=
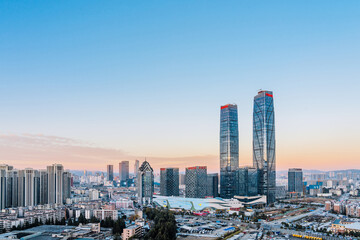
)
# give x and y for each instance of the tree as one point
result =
(70, 222)
(164, 224)
(82, 219)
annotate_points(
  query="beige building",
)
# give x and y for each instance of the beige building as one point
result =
(132, 231)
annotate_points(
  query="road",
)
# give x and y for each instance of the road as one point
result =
(295, 218)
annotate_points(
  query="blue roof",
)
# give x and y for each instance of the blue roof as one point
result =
(337, 221)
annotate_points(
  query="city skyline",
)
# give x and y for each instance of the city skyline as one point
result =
(121, 83)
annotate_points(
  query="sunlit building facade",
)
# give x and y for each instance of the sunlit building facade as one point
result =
(229, 149)
(264, 143)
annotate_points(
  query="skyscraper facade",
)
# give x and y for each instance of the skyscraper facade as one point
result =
(136, 168)
(212, 188)
(110, 172)
(195, 182)
(169, 181)
(295, 180)
(145, 184)
(247, 181)
(229, 149)
(264, 143)
(124, 170)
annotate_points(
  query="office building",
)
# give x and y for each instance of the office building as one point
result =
(136, 168)
(264, 144)
(110, 172)
(55, 183)
(196, 182)
(247, 181)
(124, 170)
(295, 180)
(229, 149)
(169, 181)
(212, 188)
(145, 184)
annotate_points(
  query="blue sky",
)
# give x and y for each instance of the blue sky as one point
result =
(148, 77)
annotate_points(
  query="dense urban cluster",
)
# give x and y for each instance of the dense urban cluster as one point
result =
(250, 202)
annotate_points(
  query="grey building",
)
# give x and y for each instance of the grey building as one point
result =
(145, 184)
(264, 144)
(247, 181)
(295, 180)
(55, 183)
(67, 185)
(124, 170)
(212, 188)
(169, 181)
(136, 168)
(110, 172)
(196, 182)
(229, 149)
(31, 187)
(3, 197)
(44, 187)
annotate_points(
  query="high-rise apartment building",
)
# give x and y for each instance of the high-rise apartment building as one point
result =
(136, 168)
(55, 183)
(2, 188)
(247, 179)
(169, 181)
(229, 149)
(212, 188)
(44, 187)
(124, 170)
(67, 185)
(31, 187)
(196, 182)
(110, 172)
(145, 184)
(7, 192)
(295, 180)
(264, 143)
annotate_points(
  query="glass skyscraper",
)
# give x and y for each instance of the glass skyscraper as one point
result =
(264, 143)
(229, 149)
(295, 180)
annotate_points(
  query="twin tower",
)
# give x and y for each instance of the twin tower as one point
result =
(263, 147)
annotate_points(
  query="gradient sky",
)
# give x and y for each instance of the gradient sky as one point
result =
(88, 83)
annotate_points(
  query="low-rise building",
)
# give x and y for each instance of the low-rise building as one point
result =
(131, 231)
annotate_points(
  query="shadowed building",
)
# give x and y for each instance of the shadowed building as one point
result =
(110, 172)
(195, 182)
(212, 188)
(169, 181)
